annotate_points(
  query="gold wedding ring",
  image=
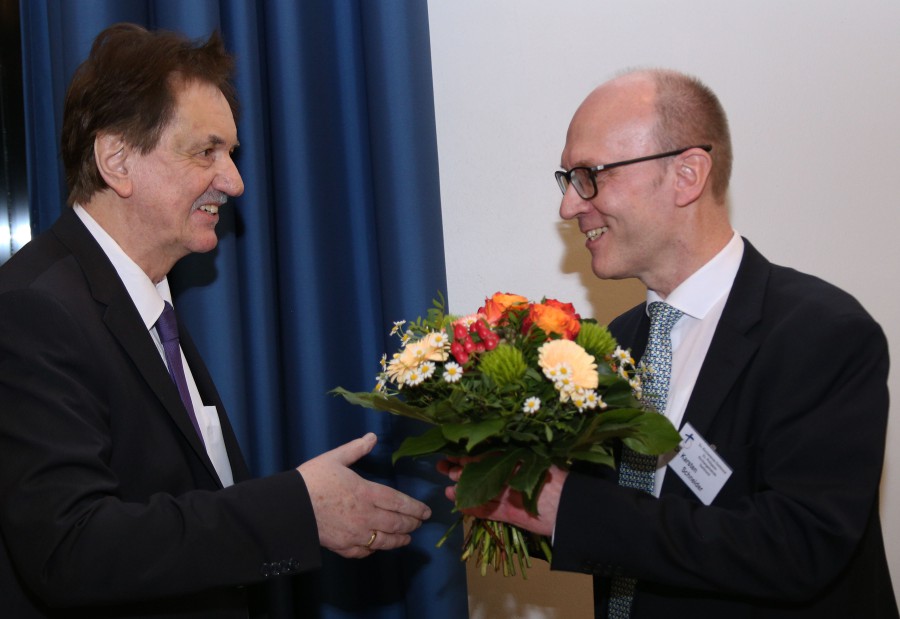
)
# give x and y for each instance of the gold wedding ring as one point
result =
(372, 539)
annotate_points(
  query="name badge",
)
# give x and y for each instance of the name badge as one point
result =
(699, 466)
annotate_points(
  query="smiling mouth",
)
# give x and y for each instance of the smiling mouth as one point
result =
(210, 202)
(596, 233)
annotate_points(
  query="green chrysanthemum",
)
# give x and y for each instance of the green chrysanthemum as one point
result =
(596, 339)
(504, 365)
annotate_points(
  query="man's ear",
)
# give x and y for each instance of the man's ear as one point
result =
(111, 156)
(691, 175)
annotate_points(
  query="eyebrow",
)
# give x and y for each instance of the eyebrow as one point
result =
(216, 140)
(578, 164)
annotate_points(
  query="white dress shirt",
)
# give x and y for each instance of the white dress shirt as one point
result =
(149, 300)
(702, 298)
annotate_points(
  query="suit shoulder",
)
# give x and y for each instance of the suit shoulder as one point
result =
(38, 261)
(792, 288)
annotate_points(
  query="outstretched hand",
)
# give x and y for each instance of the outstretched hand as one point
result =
(355, 516)
(508, 506)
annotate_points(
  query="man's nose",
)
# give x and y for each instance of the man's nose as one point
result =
(229, 180)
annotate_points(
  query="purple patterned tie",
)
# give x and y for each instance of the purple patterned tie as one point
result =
(639, 470)
(167, 327)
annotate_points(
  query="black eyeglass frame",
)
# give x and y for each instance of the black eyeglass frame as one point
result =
(564, 178)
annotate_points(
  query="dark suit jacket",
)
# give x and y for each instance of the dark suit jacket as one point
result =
(793, 395)
(109, 504)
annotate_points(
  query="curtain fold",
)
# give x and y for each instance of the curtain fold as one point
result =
(337, 235)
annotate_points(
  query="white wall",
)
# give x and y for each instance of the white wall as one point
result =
(812, 88)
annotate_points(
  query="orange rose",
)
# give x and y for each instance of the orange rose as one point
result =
(554, 317)
(496, 308)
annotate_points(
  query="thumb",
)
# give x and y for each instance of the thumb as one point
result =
(348, 453)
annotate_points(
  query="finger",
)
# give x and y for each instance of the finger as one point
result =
(392, 522)
(444, 466)
(354, 552)
(450, 468)
(450, 493)
(392, 500)
(389, 541)
(348, 453)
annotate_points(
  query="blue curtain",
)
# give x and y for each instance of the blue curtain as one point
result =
(337, 235)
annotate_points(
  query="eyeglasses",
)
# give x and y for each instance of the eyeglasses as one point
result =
(583, 178)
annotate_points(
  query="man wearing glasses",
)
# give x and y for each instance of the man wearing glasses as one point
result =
(777, 379)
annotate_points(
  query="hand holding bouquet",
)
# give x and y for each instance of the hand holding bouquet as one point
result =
(518, 386)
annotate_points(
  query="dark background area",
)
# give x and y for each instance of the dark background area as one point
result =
(13, 185)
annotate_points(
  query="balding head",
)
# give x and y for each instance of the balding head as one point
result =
(656, 110)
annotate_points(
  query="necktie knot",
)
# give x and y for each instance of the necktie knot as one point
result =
(663, 317)
(167, 325)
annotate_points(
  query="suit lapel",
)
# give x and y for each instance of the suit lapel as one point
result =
(209, 393)
(124, 322)
(632, 329)
(731, 348)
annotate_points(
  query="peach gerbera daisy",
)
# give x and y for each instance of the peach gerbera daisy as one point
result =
(566, 353)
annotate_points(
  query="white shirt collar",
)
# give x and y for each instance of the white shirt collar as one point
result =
(147, 297)
(696, 295)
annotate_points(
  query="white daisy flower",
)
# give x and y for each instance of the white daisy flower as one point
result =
(566, 390)
(414, 377)
(532, 405)
(578, 401)
(398, 324)
(427, 370)
(564, 383)
(439, 339)
(622, 356)
(452, 372)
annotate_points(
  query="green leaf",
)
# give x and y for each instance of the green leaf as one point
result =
(530, 476)
(619, 394)
(377, 401)
(655, 435)
(605, 458)
(473, 433)
(431, 442)
(483, 480)
(609, 424)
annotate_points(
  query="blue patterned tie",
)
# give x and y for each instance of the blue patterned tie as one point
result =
(167, 328)
(638, 470)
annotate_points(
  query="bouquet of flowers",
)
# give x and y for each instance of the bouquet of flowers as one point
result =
(517, 387)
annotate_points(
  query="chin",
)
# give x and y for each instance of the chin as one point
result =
(604, 271)
(204, 245)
